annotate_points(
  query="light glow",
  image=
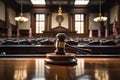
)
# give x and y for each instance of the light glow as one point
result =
(38, 2)
(100, 19)
(21, 18)
(81, 2)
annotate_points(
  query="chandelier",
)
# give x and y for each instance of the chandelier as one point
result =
(21, 18)
(100, 18)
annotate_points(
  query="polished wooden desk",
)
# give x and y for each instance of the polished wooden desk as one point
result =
(85, 69)
(51, 48)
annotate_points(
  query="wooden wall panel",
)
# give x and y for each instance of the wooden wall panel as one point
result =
(24, 33)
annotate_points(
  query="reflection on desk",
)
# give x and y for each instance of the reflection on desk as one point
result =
(36, 69)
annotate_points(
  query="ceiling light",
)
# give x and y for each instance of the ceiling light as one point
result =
(81, 2)
(100, 18)
(21, 18)
(38, 2)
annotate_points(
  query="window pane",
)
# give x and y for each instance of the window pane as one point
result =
(77, 17)
(41, 27)
(40, 23)
(36, 27)
(82, 17)
(82, 27)
(77, 28)
(79, 23)
(37, 17)
(42, 17)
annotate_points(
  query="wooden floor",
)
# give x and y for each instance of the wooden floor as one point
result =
(36, 69)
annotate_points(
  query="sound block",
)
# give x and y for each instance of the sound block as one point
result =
(68, 58)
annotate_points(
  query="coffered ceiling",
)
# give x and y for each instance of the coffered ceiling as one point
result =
(60, 2)
(27, 4)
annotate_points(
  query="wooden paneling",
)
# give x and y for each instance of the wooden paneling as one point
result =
(40, 10)
(53, 32)
(119, 18)
(2, 29)
(2, 24)
(79, 10)
(24, 33)
(27, 49)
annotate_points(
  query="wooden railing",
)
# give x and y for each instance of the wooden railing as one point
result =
(43, 49)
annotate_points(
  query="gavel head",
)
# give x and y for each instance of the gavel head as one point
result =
(61, 36)
(60, 44)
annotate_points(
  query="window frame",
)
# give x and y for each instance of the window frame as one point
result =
(81, 22)
(39, 22)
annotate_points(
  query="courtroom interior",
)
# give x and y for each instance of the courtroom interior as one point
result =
(30, 30)
(86, 23)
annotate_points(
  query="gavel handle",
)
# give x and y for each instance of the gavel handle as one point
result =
(80, 49)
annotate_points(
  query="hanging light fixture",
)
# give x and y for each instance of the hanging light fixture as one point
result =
(59, 17)
(21, 18)
(100, 18)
